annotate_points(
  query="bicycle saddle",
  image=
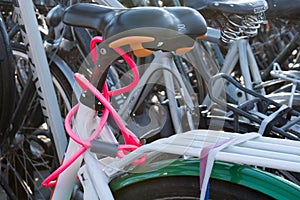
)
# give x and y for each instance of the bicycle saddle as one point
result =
(283, 9)
(243, 7)
(142, 28)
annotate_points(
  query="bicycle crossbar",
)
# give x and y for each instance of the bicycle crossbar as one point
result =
(258, 151)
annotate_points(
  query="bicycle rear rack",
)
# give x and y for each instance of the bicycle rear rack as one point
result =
(208, 146)
(250, 149)
(292, 76)
(272, 118)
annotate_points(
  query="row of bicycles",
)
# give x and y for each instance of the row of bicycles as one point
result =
(156, 99)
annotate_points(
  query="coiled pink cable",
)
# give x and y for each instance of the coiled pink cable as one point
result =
(50, 180)
(131, 141)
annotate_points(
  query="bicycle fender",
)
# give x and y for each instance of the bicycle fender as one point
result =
(244, 175)
(67, 72)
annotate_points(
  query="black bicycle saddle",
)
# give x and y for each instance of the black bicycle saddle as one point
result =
(150, 27)
(283, 9)
(243, 7)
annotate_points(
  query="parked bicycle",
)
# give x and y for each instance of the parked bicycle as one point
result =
(90, 122)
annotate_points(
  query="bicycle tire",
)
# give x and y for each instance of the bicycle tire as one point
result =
(7, 83)
(185, 187)
(30, 155)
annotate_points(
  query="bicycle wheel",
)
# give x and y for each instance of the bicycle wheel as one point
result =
(185, 187)
(28, 154)
(7, 83)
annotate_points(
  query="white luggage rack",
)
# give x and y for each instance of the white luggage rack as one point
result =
(249, 148)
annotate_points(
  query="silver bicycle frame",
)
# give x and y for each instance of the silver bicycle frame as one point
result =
(163, 67)
(41, 73)
(240, 50)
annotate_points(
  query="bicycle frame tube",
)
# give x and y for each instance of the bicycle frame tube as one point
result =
(240, 50)
(41, 73)
(66, 181)
(176, 112)
(86, 121)
(162, 65)
(213, 35)
(97, 177)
